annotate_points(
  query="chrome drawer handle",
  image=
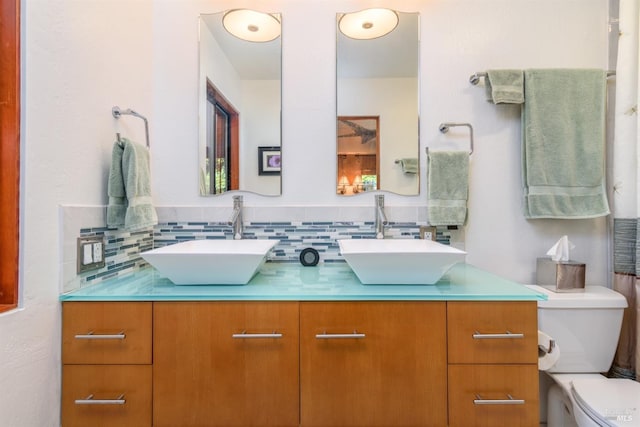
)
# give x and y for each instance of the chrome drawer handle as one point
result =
(89, 400)
(326, 336)
(509, 401)
(91, 336)
(478, 336)
(245, 335)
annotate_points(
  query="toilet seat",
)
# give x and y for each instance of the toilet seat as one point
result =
(608, 401)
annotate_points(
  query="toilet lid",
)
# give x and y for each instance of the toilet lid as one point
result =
(611, 402)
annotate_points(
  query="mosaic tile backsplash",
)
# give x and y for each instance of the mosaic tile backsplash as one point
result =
(122, 250)
(293, 236)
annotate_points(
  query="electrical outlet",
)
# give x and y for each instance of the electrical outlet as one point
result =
(97, 252)
(90, 253)
(427, 232)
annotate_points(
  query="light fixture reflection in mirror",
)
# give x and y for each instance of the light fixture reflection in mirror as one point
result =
(368, 24)
(239, 102)
(377, 88)
(251, 25)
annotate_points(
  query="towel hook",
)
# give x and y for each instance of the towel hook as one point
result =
(444, 128)
(117, 112)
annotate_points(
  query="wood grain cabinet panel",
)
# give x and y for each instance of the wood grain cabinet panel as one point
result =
(225, 364)
(373, 364)
(492, 332)
(493, 396)
(106, 332)
(309, 364)
(493, 364)
(106, 354)
(106, 395)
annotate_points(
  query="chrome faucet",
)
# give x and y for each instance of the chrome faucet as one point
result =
(381, 218)
(236, 218)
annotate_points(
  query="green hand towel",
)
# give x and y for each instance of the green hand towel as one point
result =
(504, 86)
(563, 139)
(117, 207)
(135, 167)
(448, 187)
(409, 165)
(129, 188)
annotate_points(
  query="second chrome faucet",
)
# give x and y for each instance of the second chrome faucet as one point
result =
(381, 218)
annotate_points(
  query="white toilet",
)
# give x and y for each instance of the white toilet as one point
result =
(586, 327)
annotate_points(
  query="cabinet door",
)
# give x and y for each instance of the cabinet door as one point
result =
(106, 395)
(493, 396)
(225, 364)
(373, 364)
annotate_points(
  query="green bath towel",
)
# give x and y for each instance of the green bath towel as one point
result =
(448, 187)
(129, 188)
(563, 144)
(504, 86)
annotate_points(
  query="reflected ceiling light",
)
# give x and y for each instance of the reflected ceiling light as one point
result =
(368, 23)
(251, 25)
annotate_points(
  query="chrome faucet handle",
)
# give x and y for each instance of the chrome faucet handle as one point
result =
(236, 217)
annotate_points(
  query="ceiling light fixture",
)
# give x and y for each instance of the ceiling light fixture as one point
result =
(368, 24)
(251, 25)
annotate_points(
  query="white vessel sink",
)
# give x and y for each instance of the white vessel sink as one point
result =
(210, 262)
(399, 261)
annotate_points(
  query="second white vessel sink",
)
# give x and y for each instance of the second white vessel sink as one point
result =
(399, 261)
(210, 262)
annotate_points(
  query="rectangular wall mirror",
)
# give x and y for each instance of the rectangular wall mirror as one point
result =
(240, 102)
(377, 128)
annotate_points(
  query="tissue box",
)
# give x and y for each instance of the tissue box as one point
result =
(565, 276)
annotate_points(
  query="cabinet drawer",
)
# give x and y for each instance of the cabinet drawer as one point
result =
(492, 332)
(120, 395)
(493, 395)
(106, 333)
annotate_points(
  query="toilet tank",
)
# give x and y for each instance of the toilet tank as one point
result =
(585, 325)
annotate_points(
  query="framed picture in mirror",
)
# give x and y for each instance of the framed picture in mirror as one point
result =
(269, 160)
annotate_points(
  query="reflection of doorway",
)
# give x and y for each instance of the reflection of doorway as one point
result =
(222, 153)
(358, 154)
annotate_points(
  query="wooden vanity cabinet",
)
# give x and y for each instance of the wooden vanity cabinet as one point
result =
(373, 364)
(493, 364)
(225, 364)
(106, 364)
(309, 364)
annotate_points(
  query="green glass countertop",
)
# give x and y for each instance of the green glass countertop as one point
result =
(293, 282)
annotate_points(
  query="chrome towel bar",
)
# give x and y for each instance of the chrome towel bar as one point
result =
(475, 77)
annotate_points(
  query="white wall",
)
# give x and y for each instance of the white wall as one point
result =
(458, 37)
(82, 57)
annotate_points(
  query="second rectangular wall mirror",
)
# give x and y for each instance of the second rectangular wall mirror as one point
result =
(377, 69)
